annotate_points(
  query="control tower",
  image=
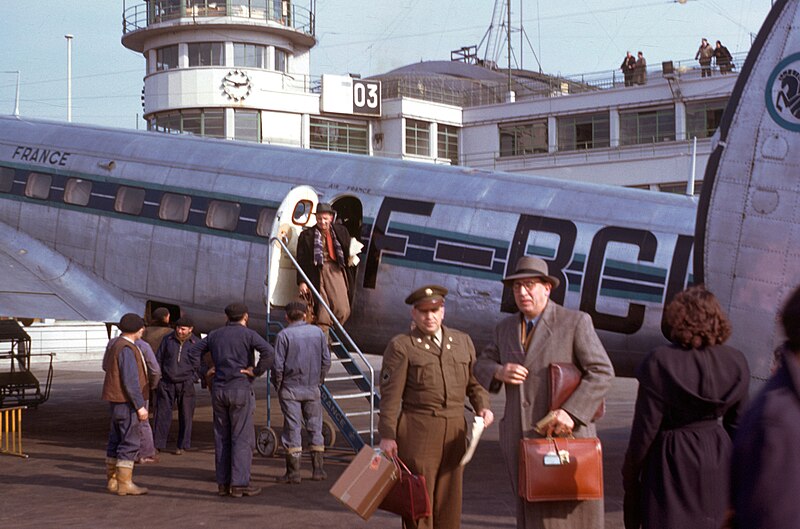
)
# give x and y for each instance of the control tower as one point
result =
(235, 69)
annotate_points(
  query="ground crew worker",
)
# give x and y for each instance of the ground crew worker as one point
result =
(232, 350)
(158, 328)
(126, 388)
(322, 253)
(177, 386)
(302, 359)
(426, 376)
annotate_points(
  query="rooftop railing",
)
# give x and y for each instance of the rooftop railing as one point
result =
(489, 93)
(141, 16)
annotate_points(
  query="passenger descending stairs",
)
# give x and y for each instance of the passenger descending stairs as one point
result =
(348, 394)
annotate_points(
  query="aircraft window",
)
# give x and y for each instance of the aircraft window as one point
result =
(265, 219)
(223, 215)
(6, 179)
(77, 191)
(38, 185)
(174, 207)
(129, 200)
(302, 212)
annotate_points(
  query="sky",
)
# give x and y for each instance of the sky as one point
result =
(357, 36)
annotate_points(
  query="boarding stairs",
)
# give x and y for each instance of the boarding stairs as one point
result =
(348, 394)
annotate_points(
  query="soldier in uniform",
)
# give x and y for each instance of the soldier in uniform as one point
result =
(232, 349)
(426, 376)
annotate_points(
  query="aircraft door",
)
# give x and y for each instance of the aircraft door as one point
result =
(294, 213)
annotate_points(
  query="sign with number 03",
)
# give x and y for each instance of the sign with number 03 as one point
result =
(367, 97)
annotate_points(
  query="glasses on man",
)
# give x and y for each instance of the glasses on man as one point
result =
(518, 286)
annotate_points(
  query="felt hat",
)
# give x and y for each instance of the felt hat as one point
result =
(529, 266)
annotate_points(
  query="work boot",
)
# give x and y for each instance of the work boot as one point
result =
(125, 484)
(292, 475)
(111, 474)
(319, 473)
(249, 490)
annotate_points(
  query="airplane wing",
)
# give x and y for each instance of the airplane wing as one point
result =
(37, 281)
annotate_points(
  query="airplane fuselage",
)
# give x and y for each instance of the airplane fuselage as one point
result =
(186, 221)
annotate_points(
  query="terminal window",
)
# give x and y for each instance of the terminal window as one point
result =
(247, 125)
(703, 117)
(206, 53)
(338, 136)
(167, 58)
(249, 55)
(519, 139)
(418, 137)
(647, 126)
(587, 131)
(447, 143)
(281, 60)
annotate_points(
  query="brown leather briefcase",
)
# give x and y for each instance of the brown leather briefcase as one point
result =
(560, 469)
(564, 380)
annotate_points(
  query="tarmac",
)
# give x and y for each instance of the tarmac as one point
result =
(62, 482)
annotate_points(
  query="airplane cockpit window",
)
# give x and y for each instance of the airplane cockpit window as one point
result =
(223, 215)
(302, 212)
(38, 185)
(174, 207)
(77, 191)
(129, 200)
(6, 179)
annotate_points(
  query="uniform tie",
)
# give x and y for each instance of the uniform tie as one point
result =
(435, 340)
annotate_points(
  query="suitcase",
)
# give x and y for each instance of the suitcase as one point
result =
(365, 482)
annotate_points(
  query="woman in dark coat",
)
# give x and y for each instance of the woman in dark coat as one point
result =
(676, 469)
(765, 469)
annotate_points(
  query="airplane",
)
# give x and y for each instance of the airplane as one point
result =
(96, 222)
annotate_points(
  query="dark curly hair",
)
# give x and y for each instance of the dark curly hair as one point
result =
(696, 320)
(790, 316)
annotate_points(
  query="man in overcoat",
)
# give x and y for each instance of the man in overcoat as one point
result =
(522, 348)
(323, 253)
(425, 379)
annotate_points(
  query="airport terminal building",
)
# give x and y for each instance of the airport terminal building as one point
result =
(240, 70)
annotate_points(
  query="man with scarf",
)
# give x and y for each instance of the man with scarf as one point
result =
(322, 253)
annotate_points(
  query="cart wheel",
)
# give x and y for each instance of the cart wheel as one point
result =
(267, 442)
(328, 432)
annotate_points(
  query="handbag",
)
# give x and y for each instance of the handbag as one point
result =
(409, 496)
(308, 299)
(560, 469)
(564, 380)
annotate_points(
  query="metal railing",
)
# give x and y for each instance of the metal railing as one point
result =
(440, 90)
(341, 334)
(141, 16)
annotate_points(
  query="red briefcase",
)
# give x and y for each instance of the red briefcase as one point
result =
(558, 469)
(409, 496)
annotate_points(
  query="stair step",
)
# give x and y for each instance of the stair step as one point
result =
(359, 413)
(362, 432)
(351, 395)
(342, 360)
(343, 377)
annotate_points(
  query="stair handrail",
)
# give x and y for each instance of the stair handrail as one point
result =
(341, 333)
